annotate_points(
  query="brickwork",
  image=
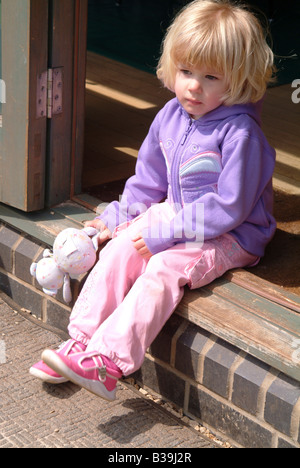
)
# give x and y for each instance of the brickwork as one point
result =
(210, 379)
(216, 383)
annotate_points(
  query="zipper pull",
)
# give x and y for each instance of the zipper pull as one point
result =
(186, 133)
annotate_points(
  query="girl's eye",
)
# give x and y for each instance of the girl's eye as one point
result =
(211, 77)
(185, 72)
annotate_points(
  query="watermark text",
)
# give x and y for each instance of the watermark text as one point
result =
(2, 92)
(2, 352)
(296, 93)
(187, 224)
(296, 353)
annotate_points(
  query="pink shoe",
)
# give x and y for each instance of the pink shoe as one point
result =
(44, 373)
(86, 370)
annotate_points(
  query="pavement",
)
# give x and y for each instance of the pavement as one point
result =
(38, 415)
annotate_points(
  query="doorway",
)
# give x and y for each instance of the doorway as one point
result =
(121, 103)
(123, 94)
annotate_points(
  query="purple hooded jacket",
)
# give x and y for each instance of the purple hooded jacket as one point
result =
(221, 162)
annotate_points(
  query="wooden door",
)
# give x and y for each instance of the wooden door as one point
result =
(67, 50)
(24, 48)
(40, 157)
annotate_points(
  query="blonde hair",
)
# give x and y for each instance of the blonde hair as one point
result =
(223, 36)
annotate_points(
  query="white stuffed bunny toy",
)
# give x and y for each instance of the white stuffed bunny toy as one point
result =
(74, 253)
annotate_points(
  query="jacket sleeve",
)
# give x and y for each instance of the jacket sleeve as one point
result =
(248, 166)
(148, 185)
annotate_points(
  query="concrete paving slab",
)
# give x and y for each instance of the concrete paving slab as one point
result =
(37, 415)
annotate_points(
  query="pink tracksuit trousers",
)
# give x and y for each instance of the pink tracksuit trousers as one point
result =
(126, 300)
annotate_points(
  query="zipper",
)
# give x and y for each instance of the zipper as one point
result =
(175, 179)
(184, 138)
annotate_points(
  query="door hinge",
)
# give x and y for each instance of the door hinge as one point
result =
(50, 93)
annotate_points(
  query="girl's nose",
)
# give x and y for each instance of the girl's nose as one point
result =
(195, 85)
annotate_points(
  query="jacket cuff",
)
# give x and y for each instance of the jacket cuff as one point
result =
(155, 241)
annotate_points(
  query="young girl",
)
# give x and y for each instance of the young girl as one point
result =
(207, 157)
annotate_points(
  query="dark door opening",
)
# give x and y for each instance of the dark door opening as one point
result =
(123, 94)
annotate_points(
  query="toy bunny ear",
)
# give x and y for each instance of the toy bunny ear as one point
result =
(90, 231)
(33, 268)
(67, 294)
(47, 253)
(95, 241)
(93, 233)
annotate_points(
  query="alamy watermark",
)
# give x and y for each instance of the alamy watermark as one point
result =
(2, 352)
(296, 93)
(296, 353)
(2, 92)
(187, 224)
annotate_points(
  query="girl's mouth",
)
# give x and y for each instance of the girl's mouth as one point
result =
(193, 102)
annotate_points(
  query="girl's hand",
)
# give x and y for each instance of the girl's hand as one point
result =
(105, 233)
(140, 245)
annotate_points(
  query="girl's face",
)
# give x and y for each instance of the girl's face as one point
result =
(199, 90)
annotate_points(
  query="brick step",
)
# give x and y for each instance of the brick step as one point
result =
(226, 357)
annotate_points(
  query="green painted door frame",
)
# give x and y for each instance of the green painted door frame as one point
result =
(40, 158)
